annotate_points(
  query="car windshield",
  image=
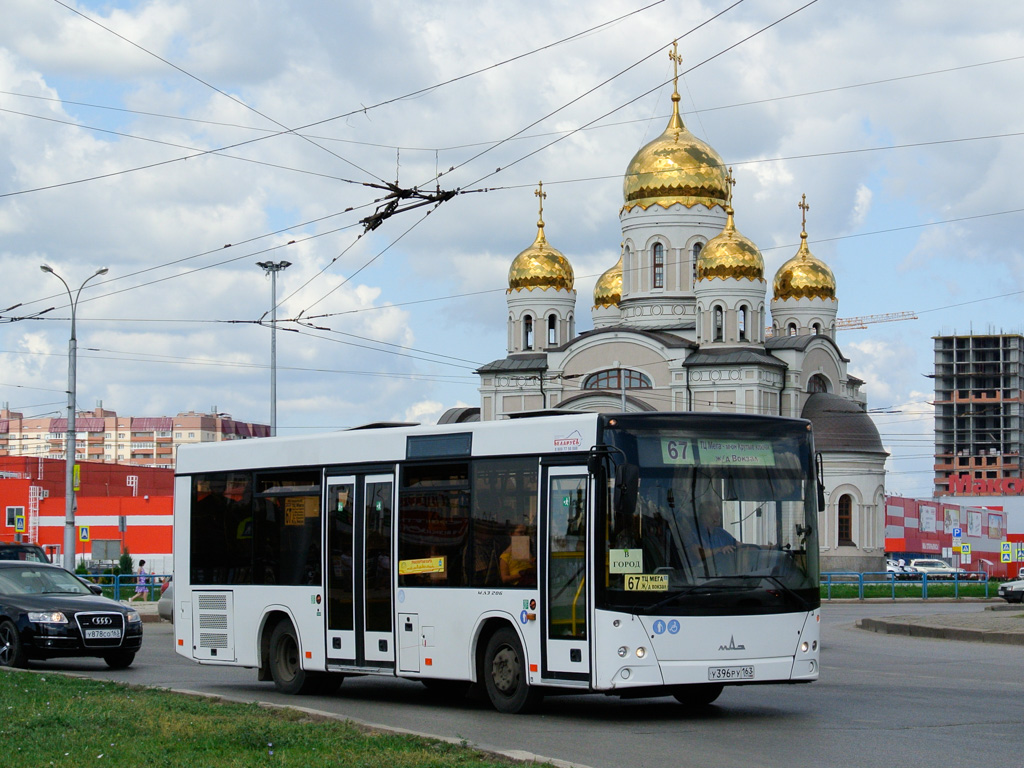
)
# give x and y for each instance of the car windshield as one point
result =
(29, 553)
(40, 581)
(724, 523)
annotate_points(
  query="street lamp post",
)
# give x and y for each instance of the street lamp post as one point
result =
(272, 268)
(69, 433)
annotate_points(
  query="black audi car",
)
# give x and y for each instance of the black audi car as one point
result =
(47, 612)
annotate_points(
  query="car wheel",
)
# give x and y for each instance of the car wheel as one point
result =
(697, 695)
(120, 659)
(505, 674)
(12, 652)
(286, 663)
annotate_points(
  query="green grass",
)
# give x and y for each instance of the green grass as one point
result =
(841, 591)
(48, 719)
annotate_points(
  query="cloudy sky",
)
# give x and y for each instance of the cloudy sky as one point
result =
(180, 142)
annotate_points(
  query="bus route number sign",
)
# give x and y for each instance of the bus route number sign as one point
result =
(646, 582)
(677, 451)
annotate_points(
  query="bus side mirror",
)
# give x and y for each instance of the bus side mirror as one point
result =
(627, 484)
(820, 477)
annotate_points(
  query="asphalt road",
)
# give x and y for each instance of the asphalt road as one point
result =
(882, 701)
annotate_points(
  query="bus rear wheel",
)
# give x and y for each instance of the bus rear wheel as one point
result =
(286, 663)
(698, 695)
(505, 674)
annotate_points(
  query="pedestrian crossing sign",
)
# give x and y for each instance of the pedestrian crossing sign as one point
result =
(83, 533)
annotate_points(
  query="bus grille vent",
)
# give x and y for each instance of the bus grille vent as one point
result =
(212, 602)
(213, 640)
(213, 621)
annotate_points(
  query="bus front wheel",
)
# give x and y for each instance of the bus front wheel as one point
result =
(505, 674)
(286, 663)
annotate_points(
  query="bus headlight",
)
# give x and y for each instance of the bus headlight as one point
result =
(641, 652)
(804, 646)
(623, 650)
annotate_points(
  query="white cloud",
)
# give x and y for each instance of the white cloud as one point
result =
(302, 63)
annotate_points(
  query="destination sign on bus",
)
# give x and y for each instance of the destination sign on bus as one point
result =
(717, 453)
(647, 582)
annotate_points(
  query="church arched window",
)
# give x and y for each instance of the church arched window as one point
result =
(817, 383)
(695, 253)
(844, 521)
(791, 331)
(658, 265)
(552, 330)
(719, 323)
(527, 332)
(816, 329)
(617, 378)
(741, 323)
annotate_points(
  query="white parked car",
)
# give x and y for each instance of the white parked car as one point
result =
(935, 569)
(1012, 591)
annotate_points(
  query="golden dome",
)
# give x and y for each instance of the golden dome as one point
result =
(730, 254)
(540, 265)
(676, 167)
(608, 290)
(804, 276)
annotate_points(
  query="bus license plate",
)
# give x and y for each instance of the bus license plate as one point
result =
(102, 634)
(730, 673)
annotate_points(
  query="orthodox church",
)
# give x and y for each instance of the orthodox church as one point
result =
(680, 325)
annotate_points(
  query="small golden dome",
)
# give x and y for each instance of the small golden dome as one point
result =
(608, 290)
(730, 254)
(540, 265)
(804, 276)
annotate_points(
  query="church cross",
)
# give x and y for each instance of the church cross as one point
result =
(804, 208)
(676, 61)
(541, 194)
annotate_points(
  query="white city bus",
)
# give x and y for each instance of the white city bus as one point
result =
(635, 555)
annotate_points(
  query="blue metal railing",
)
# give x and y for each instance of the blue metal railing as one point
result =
(127, 583)
(890, 580)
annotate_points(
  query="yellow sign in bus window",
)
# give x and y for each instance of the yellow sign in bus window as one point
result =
(646, 582)
(422, 565)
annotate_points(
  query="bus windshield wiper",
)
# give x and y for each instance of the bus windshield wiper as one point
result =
(690, 590)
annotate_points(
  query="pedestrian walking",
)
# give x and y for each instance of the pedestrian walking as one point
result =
(141, 583)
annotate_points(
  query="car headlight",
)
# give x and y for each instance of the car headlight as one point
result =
(47, 617)
(134, 617)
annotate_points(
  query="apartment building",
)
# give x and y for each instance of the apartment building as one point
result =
(104, 436)
(978, 408)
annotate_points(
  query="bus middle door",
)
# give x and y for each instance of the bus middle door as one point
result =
(359, 588)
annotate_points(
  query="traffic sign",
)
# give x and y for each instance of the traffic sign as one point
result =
(83, 533)
(965, 549)
(957, 532)
(1005, 555)
(19, 524)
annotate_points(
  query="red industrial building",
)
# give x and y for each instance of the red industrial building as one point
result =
(926, 528)
(109, 497)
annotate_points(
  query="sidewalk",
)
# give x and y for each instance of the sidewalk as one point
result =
(996, 624)
(147, 609)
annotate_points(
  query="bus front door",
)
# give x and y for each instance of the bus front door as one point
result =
(359, 609)
(566, 615)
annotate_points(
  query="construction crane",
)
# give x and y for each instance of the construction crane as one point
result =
(863, 321)
(859, 323)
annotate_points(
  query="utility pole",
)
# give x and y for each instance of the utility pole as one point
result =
(69, 432)
(272, 268)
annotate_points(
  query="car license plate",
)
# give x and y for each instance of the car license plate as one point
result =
(730, 673)
(102, 634)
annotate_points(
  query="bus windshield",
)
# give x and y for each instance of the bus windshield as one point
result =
(701, 522)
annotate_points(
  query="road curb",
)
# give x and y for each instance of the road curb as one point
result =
(938, 632)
